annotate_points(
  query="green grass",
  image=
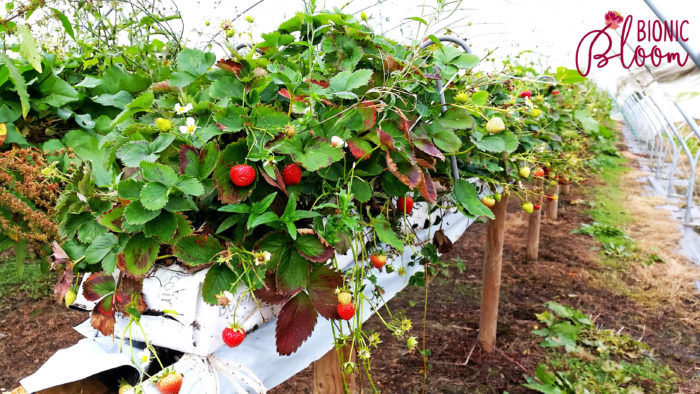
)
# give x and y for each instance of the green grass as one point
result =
(594, 360)
(33, 284)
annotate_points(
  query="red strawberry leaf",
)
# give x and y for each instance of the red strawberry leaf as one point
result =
(369, 115)
(295, 323)
(403, 169)
(385, 139)
(426, 146)
(426, 188)
(271, 294)
(59, 256)
(63, 284)
(103, 322)
(322, 284)
(129, 290)
(359, 148)
(235, 153)
(230, 65)
(98, 285)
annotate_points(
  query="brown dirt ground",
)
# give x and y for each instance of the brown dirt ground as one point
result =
(30, 332)
(565, 272)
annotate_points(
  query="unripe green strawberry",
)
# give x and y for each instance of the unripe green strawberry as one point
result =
(461, 97)
(497, 196)
(524, 172)
(528, 207)
(495, 125)
(70, 296)
(164, 124)
(536, 113)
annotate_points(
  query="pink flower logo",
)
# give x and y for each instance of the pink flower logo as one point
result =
(613, 19)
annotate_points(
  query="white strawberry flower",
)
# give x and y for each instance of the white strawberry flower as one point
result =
(337, 142)
(189, 127)
(179, 109)
(143, 358)
(262, 257)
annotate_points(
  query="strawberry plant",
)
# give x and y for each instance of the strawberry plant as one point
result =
(321, 139)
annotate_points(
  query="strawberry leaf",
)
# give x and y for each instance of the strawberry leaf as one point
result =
(219, 278)
(112, 219)
(426, 146)
(465, 194)
(321, 288)
(292, 272)
(359, 148)
(199, 164)
(295, 323)
(129, 291)
(197, 249)
(369, 115)
(311, 247)
(139, 255)
(271, 294)
(98, 285)
(426, 188)
(104, 323)
(402, 168)
(385, 233)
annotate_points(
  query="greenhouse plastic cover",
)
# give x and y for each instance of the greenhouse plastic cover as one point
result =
(545, 32)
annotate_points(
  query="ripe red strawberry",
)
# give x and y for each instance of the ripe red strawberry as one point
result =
(525, 93)
(405, 204)
(291, 174)
(377, 260)
(170, 382)
(233, 335)
(536, 207)
(550, 197)
(539, 173)
(346, 311)
(242, 175)
(555, 92)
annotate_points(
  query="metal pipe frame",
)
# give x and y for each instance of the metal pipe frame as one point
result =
(439, 86)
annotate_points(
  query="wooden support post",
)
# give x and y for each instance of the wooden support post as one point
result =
(553, 206)
(565, 188)
(493, 258)
(533, 225)
(328, 374)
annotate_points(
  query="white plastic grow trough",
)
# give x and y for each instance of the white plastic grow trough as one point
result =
(255, 359)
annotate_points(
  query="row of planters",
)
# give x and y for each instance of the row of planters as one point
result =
(261, 168)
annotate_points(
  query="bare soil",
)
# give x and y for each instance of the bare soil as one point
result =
(30, 332)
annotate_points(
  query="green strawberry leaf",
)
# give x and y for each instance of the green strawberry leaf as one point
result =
(135, 213)
(154, 196)
(385, 233)
(163, 226)
(197, 249)
(159, 173)
(218, 279)
(465, 194)
(99, 248)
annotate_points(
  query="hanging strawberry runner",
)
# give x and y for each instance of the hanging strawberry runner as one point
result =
(262, 167)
